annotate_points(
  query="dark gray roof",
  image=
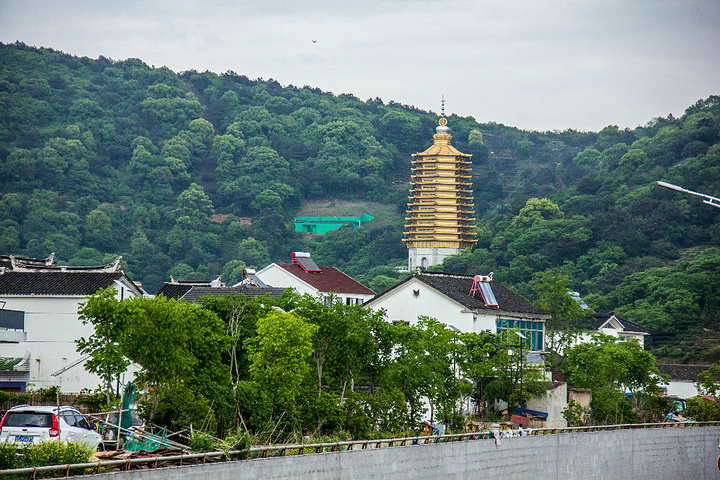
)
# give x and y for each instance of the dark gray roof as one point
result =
(599, 318)
(457, 287)
(675, 371)
(193, 291)
(176, 289)
(58, 283)
(8, 261)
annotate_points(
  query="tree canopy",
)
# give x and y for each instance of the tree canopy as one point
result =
(181, 173)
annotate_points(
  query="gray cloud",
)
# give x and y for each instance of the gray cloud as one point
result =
(535, 65)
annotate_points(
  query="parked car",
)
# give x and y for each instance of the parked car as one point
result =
(35, 424)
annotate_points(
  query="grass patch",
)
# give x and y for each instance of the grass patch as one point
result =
(385, 214)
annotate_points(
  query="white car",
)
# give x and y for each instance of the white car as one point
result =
(35, 424)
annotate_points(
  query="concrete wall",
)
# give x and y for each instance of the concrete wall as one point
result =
(669, 453)
(553, 402)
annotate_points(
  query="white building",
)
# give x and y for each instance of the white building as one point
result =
(683, 379)
(447, 297)
(607, 324)
(39, 321)
(305, 277)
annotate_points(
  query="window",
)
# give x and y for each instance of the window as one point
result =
(28, 419)
(532, 330)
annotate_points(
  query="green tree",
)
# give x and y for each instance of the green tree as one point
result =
(99, 230)
(253, 253)
(537, 210)
(189, 353)
(195, 203)
(107, 315)
(610, 369)
(279, 360)
(482, 358)
(554, 296)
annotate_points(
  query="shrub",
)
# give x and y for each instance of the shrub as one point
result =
(700, 409)
(8, 455)
(177, 407)
(45, 453)
(49, 395)
(239, 441)
(201, 442)
(94, 401)
(575, 414)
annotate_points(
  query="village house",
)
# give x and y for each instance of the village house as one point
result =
(683, 379)
(192, 291)
(39, 321)
(306, 277)
(464, 303)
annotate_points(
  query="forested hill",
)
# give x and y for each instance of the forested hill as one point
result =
(197, 174)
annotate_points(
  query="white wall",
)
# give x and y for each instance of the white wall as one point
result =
(276, 276)
(553, 402)
(682, 389)
(52, 325)
(403, 305)
(431, 255)
(638, 454)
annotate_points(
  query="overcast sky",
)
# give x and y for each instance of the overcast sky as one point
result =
(527, 63)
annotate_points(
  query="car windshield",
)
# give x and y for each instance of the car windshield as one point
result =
(28, 419)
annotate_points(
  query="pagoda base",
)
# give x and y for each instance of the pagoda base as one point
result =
(425, 257)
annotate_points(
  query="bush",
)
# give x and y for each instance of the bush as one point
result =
(49, 395)
(239, 441)
(94, 401)
(8, 455)
(45, 453)
(201, 442)
(702, 410)
(177, 407)
(576, 415)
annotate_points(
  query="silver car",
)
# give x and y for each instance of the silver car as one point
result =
(35, 424)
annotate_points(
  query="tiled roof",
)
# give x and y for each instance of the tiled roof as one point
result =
(327, 280)
(598, 319)
(8, 261)
(176, 290)
(195, 293)
(57, 282)
(687, 373)
(457, 287)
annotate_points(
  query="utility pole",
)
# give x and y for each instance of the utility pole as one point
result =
(522, 340)
(715, 202)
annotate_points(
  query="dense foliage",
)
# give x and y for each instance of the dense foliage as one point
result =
(623, 378)
(198, 174)
(299, 365)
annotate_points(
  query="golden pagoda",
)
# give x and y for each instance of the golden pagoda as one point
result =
(439, 220)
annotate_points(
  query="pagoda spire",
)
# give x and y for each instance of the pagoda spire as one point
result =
(439, 218)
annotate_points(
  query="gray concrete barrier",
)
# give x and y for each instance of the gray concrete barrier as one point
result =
(661, 453)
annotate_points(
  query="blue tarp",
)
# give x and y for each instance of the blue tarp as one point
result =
(525, 411)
